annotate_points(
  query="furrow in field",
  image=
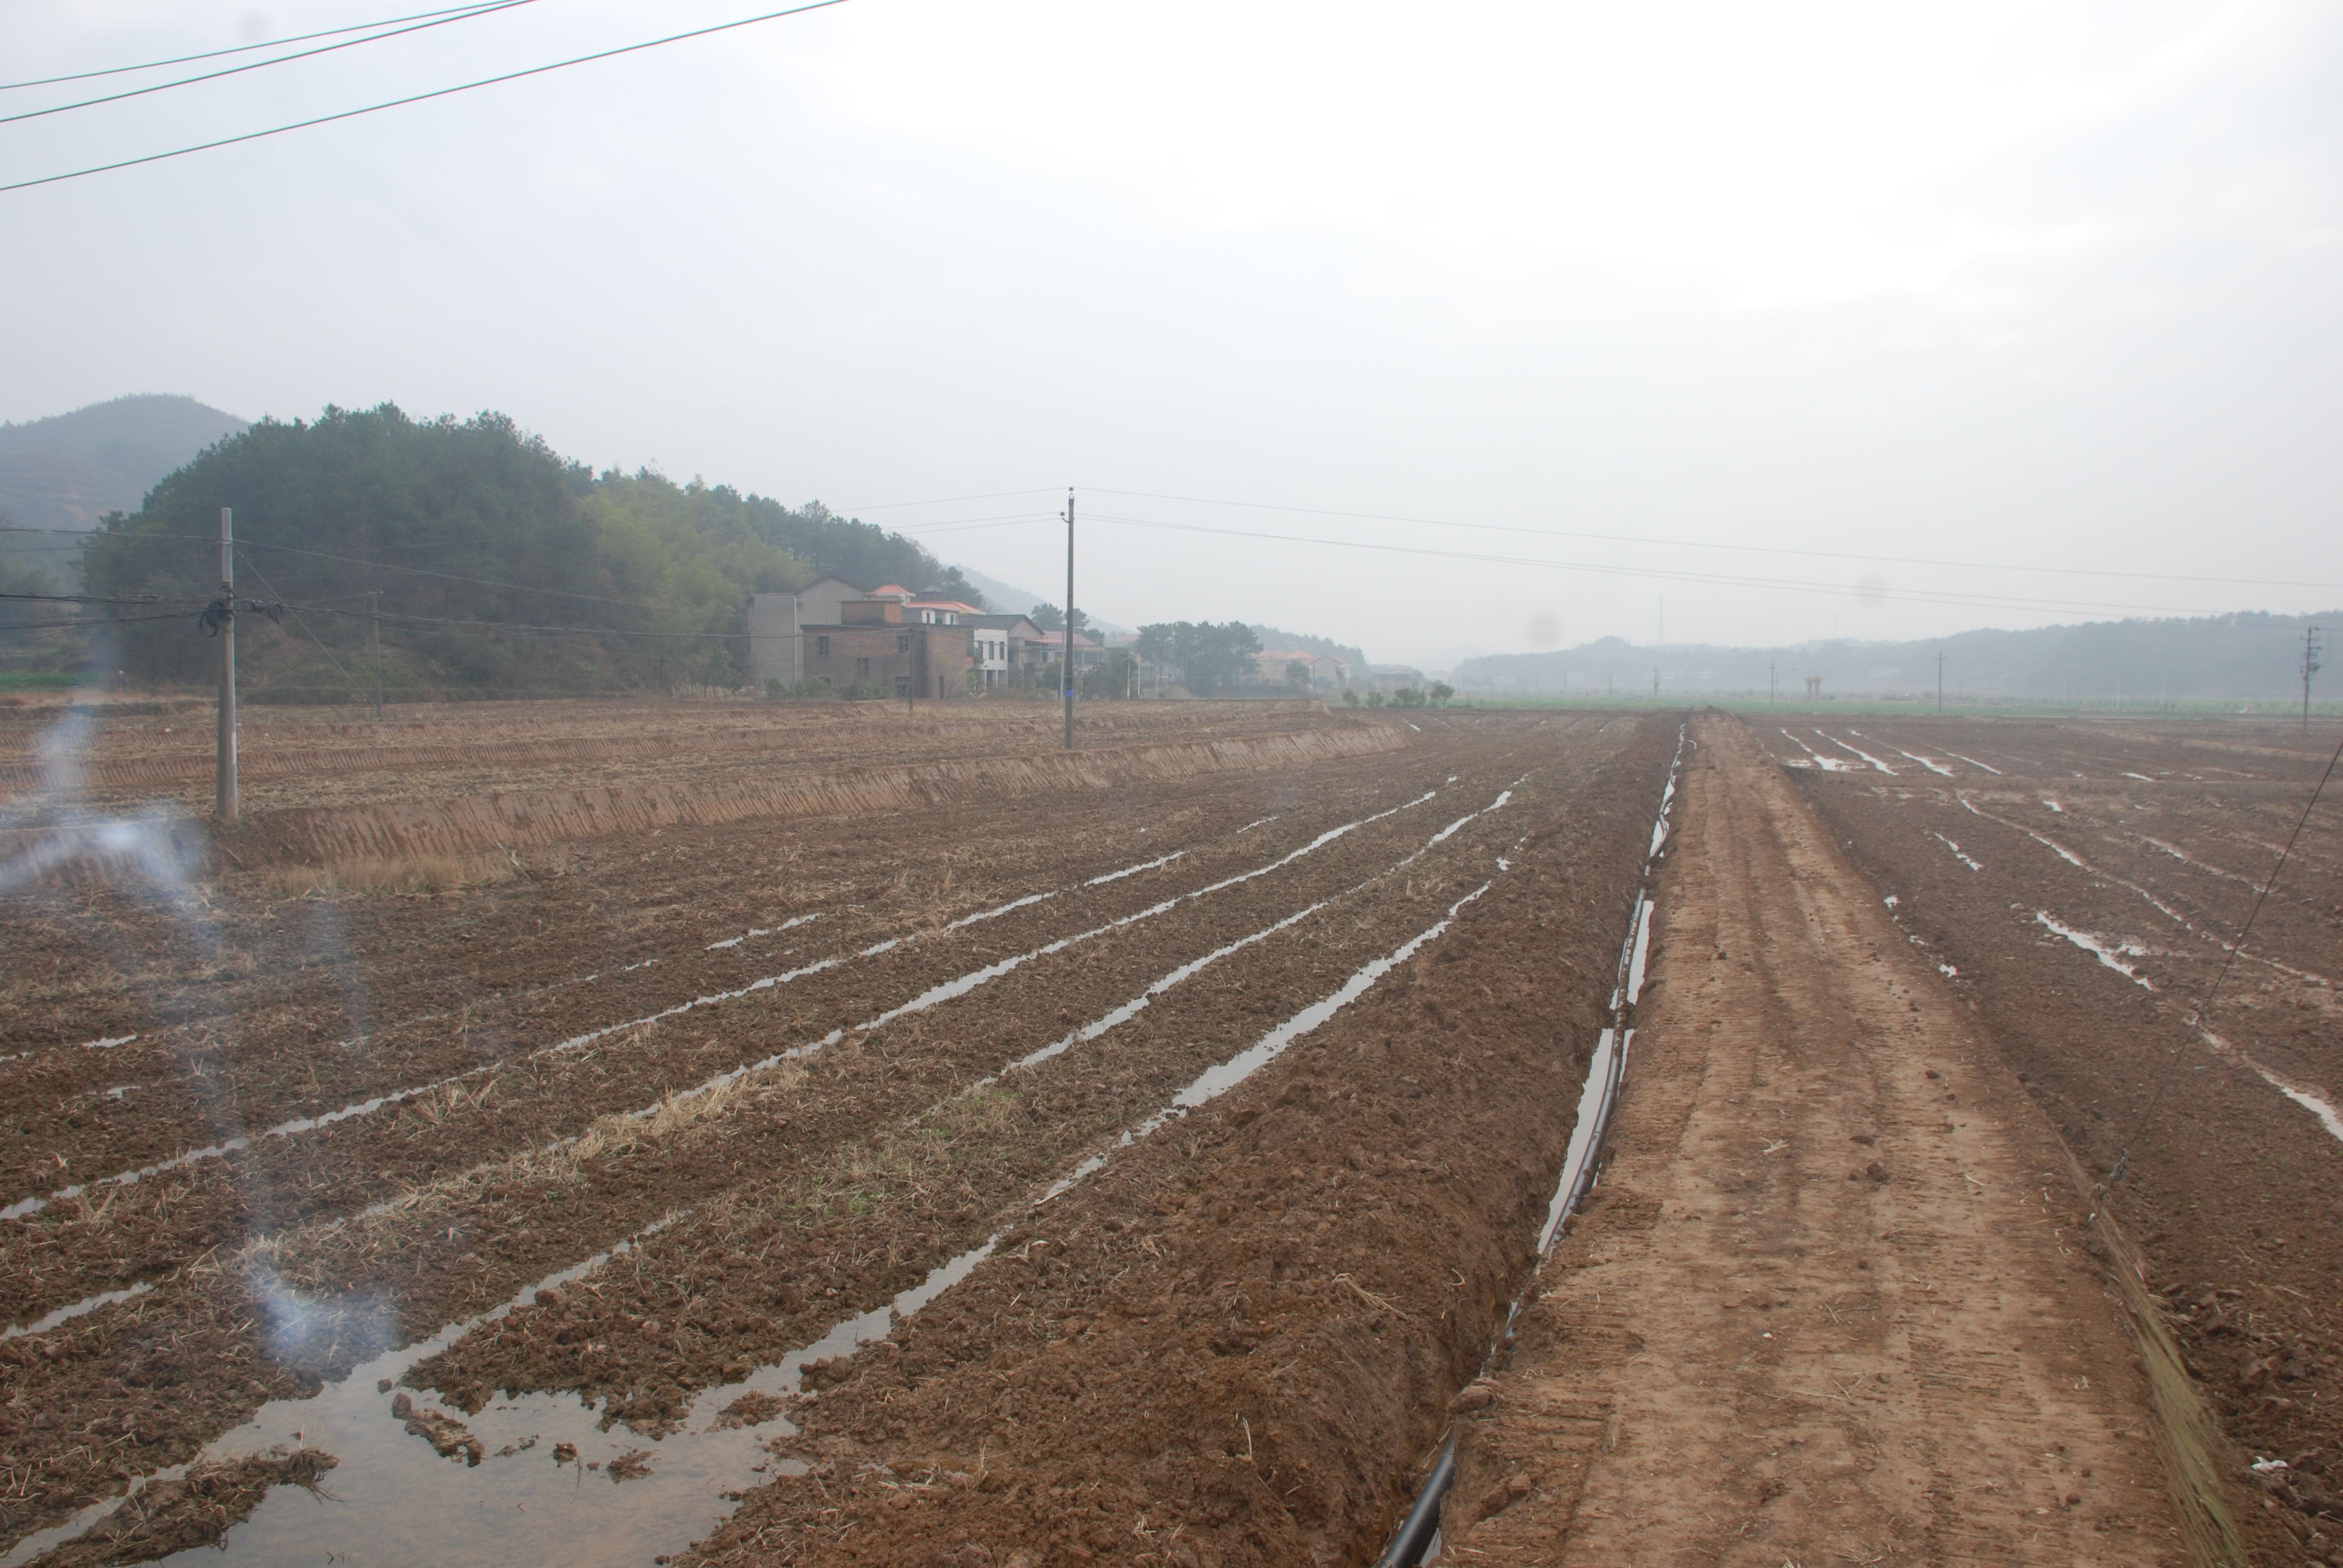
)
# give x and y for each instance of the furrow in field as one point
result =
(490, 1042)
(547, 1094)
(290, 964)
(1245, 1326)
(443, 1266)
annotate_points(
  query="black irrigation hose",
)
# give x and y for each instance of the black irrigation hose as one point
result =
(1422, 1523)
(1421, 1528)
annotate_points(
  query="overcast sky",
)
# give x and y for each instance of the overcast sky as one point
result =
(2032, 285)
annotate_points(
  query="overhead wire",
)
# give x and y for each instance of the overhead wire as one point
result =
(84, 624)
(1712, 545)
(419, 98)
(1978, 601)
(305, 625)
(955, 500)
(2204, 1010)
(529, 629)
(465, 16)
(431, 572)
(245, 49)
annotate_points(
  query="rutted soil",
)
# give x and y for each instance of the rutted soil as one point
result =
(2085, 918)
(527, 1092)
(1228, 1346)
(805, 1187)
(1822, 1306)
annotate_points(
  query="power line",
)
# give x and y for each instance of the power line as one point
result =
(308, 627)
(1919, 596)
(103, 598)
(481, 582)
(919, 531)
(85, 625)
(421, 98)
(246, 48)
(2204, 1010)
(528, 628)
(263, 64)
(952, 500)
(328, 607)
(380, 566)
(1709, 545)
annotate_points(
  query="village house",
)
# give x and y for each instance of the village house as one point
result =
(878, 642)
(1046, 648)
(999, 643)
(797, 636)
(776, 649)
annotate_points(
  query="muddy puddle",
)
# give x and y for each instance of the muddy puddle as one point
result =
(529, 1480)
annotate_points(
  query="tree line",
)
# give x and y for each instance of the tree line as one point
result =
(496, 563)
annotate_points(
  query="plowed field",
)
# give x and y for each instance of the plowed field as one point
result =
(1129, 1160)
(2081, 886)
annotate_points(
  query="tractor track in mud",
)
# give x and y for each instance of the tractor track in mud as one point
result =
(2096, 887)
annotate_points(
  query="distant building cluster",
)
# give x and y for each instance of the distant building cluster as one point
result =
(889, 640)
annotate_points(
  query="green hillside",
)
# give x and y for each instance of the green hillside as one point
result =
(501, 567)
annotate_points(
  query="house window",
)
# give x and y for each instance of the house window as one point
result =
(903, 642)
(902, 686)
(861, 669)
(822, 646)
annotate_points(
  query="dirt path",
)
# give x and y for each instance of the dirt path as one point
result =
(1821, 1309)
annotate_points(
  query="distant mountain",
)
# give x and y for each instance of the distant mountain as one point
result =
(69, 470)
(2250, 655)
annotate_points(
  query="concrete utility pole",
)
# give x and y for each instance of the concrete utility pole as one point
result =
(377, 596)
(1771, 700)
(224, 769)
(1656, 682)
(1066, 664)
(2310, 667)
(1940, 680)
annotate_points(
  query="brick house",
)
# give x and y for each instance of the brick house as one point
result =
(875, 643)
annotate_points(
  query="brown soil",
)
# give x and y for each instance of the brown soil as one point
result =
(482, 1204)
(2231, 1188)
(1229, 1345)
(195, 1510)
(1826, 1303)
(1238, 1341)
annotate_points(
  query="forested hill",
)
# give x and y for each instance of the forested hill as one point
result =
(500, 565)
(69, 470)
(2229, 656)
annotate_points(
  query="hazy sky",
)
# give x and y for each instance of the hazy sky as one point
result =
(2032, 285)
